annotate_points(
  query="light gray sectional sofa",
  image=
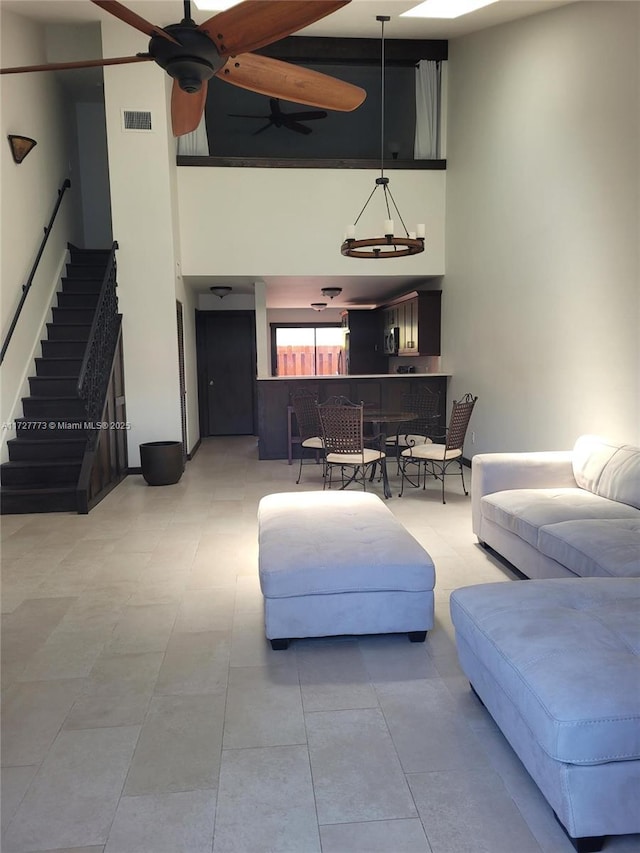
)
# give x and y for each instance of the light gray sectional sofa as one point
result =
(556, 659)
(561, 513)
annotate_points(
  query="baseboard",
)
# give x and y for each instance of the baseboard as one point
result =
(195, 449)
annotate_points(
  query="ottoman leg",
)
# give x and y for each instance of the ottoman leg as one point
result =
(280, 644)
(417, 636)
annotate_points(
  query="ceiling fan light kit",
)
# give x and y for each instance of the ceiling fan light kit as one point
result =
(221, 47)
(389, 245)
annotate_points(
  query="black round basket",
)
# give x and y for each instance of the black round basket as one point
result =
(162, 462)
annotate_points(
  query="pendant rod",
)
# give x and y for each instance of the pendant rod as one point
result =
(382, 19)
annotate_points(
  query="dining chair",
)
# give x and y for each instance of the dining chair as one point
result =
(424, 407)
(344, 443)
(437, 457)
(305, 407)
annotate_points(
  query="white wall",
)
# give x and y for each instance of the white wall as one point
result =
(31, 106)
(541, 297)
(94, 175)
(260, 222)
(143, 208)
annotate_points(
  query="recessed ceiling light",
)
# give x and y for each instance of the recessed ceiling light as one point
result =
(445, 8)
(215, 5)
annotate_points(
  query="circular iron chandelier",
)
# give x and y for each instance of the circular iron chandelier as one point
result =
(390, 245)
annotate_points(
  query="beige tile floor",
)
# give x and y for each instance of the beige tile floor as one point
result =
(144, 711)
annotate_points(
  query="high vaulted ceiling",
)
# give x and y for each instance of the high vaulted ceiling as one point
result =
(357, 20)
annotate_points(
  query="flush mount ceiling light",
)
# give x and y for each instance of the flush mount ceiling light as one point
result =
(445, 8)
(389, 246)
(221, 290)
(331, 292)
(318, 306)
(20, 146)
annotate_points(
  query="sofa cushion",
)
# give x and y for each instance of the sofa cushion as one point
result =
(315, 543)
(609, 547)
(524, 511)
(565, 653)
(620, 479)
(606, 469)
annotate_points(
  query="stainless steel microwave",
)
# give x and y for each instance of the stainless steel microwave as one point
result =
(391, 340)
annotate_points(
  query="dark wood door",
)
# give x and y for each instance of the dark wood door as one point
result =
(227, 372)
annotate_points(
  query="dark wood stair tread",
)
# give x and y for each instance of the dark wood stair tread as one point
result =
(40, 463)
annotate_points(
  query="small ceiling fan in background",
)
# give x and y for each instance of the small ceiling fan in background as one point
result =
(221, 46)
(278, 118)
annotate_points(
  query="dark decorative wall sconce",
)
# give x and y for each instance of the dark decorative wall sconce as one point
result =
(20, 146)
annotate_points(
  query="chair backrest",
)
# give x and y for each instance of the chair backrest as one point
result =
(342, 425)
(305, 406)
(427, 409)
(459, 421)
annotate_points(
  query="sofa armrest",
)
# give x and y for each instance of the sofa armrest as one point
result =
(497, 472)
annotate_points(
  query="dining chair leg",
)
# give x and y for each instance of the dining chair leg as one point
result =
(462, 477)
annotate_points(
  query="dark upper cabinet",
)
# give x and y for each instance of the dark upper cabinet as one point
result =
(364, 341)
(417, 315)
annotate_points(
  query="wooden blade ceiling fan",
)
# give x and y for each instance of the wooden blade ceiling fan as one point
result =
(221, 46)
(279, 118)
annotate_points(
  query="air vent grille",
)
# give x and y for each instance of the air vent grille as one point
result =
(136, 120)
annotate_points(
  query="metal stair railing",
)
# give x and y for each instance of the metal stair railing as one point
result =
(98, 358)
(27, 286)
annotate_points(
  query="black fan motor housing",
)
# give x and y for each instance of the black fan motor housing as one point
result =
(192, 61)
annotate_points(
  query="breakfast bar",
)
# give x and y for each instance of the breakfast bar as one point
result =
(276, 427)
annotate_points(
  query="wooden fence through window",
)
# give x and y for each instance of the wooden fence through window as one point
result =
(309, 360)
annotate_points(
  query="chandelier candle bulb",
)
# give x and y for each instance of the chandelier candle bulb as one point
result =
(412, 235)
(351, 232)
(421, 231)
(388, 226)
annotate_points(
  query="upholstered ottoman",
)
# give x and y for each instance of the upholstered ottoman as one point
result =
(555, 662)
(340, 563)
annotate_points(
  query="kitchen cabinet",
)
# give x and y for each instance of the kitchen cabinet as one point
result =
(363, 341)
(417, 315)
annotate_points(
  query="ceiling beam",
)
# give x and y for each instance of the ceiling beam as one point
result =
(354, 51)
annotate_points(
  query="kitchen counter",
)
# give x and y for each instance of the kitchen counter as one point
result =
(354, 376)
(382, 390)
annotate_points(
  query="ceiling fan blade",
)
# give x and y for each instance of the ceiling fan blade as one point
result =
(291, 82)
(256, 23)
(308, 115)
(186, 109)
(245, 115)
(299, 128)
(131, 18)
(87, 63)
(266, 127)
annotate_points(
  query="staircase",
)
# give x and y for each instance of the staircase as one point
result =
(46, 456)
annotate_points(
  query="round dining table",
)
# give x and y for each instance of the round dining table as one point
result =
(382, 418)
